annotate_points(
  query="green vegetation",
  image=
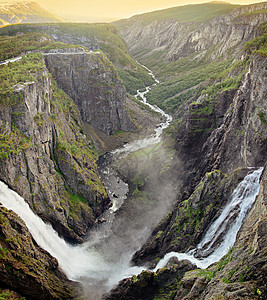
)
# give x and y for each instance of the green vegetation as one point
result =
(12, 46)
(259, 44)
(77, 146)
(263, 118)
(9, 295)
(184, 14)
(255, 12)
(94, 36)
(207, 274)
(19, 72)
(174, 92)
(12, 141)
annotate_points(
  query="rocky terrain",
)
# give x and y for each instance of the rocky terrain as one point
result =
(59, 106)
(26, 267)
(216, 134)
(100, 36)
(173, 39)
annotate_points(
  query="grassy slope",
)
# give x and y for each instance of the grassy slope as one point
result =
(189, 77)
(199, 13)
(102, 36)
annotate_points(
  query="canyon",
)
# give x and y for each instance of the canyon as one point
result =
(132, 167)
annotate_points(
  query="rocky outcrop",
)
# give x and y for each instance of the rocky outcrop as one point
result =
(218, 37)
(241, 139)
(149, 285)
(92, 82)
(51, 163)
(25, 267)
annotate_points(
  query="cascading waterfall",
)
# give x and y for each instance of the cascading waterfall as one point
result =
(74, 261)
(81, 262)
(226, 225)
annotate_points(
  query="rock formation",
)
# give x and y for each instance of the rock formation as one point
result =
(27, 268)
(91, 81)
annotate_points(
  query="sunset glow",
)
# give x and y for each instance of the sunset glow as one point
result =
(110, 10)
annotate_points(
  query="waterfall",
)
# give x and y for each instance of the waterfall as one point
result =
(82, 262)
(226, 225)
(74, 261)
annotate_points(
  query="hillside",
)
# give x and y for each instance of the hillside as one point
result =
(94, 36)
(24, 12)
(199, 13)
(185, 54)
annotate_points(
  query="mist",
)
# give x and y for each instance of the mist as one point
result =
(153, 188)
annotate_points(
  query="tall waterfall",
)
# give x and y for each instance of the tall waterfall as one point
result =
(74, 261)
(226, 225)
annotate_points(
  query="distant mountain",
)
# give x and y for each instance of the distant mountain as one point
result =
(24, 12)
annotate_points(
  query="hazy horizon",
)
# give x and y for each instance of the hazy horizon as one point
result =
(111, 10)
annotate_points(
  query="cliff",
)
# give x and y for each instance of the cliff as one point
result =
(237, 140)
(238, 275)
(45, 155)
(27, 268)
(217, 133)
(104, 37)
(92, 82)
(172, 37)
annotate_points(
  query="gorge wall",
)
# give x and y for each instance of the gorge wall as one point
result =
(92, 82)
(219, 132)
(51, 162)
(172, 39)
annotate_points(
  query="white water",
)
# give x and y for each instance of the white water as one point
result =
(240, 203)
(78, 262)
(82, 262)
(154, 139)
(74, 261)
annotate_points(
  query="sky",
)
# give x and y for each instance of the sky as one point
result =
(110, 10)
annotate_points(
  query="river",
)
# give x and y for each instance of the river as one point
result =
(104, 259)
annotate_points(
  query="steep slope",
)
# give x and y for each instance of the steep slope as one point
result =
(43, 149)
(92, 82)
(238, 275)
(94, 36)
(219, 133)
(27, 268)
(45, 155)
(186, 55)
(24, 12)
(238, 140)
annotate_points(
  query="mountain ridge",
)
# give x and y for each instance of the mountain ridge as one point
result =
(24, 12)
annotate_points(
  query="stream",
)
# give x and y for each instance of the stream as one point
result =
(104, 259)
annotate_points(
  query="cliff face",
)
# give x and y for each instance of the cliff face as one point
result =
(242, 273)
(46, 158)
(27, 268)
(237, 140)
(172, 39)
(92, 82)
(234, 131)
